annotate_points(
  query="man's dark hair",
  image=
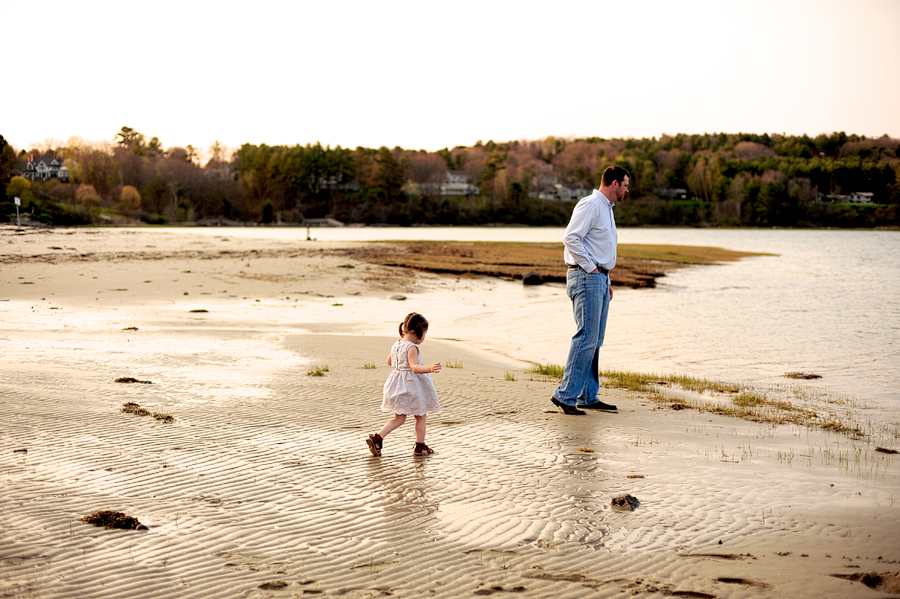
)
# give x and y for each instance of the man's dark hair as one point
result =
(614, 173)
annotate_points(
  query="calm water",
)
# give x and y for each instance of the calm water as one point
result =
(827, 303)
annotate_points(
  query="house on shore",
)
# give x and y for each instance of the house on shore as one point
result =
(861, 197)
(454, 183)
(671, 193)
(857, 197)
(44, 169)
(549, 189)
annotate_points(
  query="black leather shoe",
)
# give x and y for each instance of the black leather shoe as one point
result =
(567, 409)
(597, 405)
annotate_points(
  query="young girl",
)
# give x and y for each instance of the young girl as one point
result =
(409, 388)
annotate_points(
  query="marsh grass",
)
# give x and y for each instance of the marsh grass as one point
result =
(317, 371)
(759, 407)
(549, 370)
(510, 376)
(370, 366)
(683, 254)
(779, 405)
(638, 381)
(453, 364)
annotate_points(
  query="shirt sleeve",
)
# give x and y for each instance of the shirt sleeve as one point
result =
(583, 219)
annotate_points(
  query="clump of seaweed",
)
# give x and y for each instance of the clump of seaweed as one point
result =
(133, 408)
(163, 417)
(802, 375)
(137, 410)
(130, 379)
(110, 519)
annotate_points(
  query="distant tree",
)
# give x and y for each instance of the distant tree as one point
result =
(130, 139)
(700, 180)
(218, 155)
(428, 171)
(154, 147)
(7, 163)
(49, 147)
(365, 166)
(471, 160)
(130, 198)
(580, 162)
(181, 154)
(94, 164)
(389, 178)
(20, 187)
(87, 196)
(749, 150)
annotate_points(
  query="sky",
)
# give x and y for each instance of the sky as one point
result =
(429, 75)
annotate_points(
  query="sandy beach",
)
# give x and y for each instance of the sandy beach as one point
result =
(261, 484)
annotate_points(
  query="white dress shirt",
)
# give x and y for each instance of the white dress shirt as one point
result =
(591, 238)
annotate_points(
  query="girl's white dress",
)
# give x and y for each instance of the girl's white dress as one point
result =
(406, 392)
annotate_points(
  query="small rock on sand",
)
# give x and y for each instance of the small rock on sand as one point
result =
(625, 503)
(532, 278)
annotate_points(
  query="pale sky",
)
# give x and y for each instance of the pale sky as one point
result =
(427, 75)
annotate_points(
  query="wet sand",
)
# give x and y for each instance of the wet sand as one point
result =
(263, 486)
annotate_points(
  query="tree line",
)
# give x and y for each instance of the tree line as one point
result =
(717, 179)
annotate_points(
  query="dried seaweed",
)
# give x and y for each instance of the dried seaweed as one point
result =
(110, 519)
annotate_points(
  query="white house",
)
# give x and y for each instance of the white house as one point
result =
(861, 197)
(45, 168)
(455, 183)
(565, 193)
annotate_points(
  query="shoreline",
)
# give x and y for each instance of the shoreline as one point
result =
(263, 483)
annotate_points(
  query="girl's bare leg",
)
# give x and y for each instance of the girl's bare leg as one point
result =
(393, 423)
(420, 428)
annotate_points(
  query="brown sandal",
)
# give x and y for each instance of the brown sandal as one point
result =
(422, 449)
(374, 442)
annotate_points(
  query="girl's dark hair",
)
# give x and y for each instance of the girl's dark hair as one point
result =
(414, 322)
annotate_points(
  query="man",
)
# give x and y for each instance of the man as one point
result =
(590, 252)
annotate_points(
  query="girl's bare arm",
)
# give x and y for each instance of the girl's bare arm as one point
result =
(413, 357)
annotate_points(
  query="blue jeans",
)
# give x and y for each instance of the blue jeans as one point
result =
(590, 303)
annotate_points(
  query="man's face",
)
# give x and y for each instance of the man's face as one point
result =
(621, 188)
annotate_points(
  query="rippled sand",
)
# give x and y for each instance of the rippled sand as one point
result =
(263, 485)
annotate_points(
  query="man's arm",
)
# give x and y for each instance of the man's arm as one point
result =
(580, 224)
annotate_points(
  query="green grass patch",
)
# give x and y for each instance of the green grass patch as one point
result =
(550, 370)
(643, 382)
